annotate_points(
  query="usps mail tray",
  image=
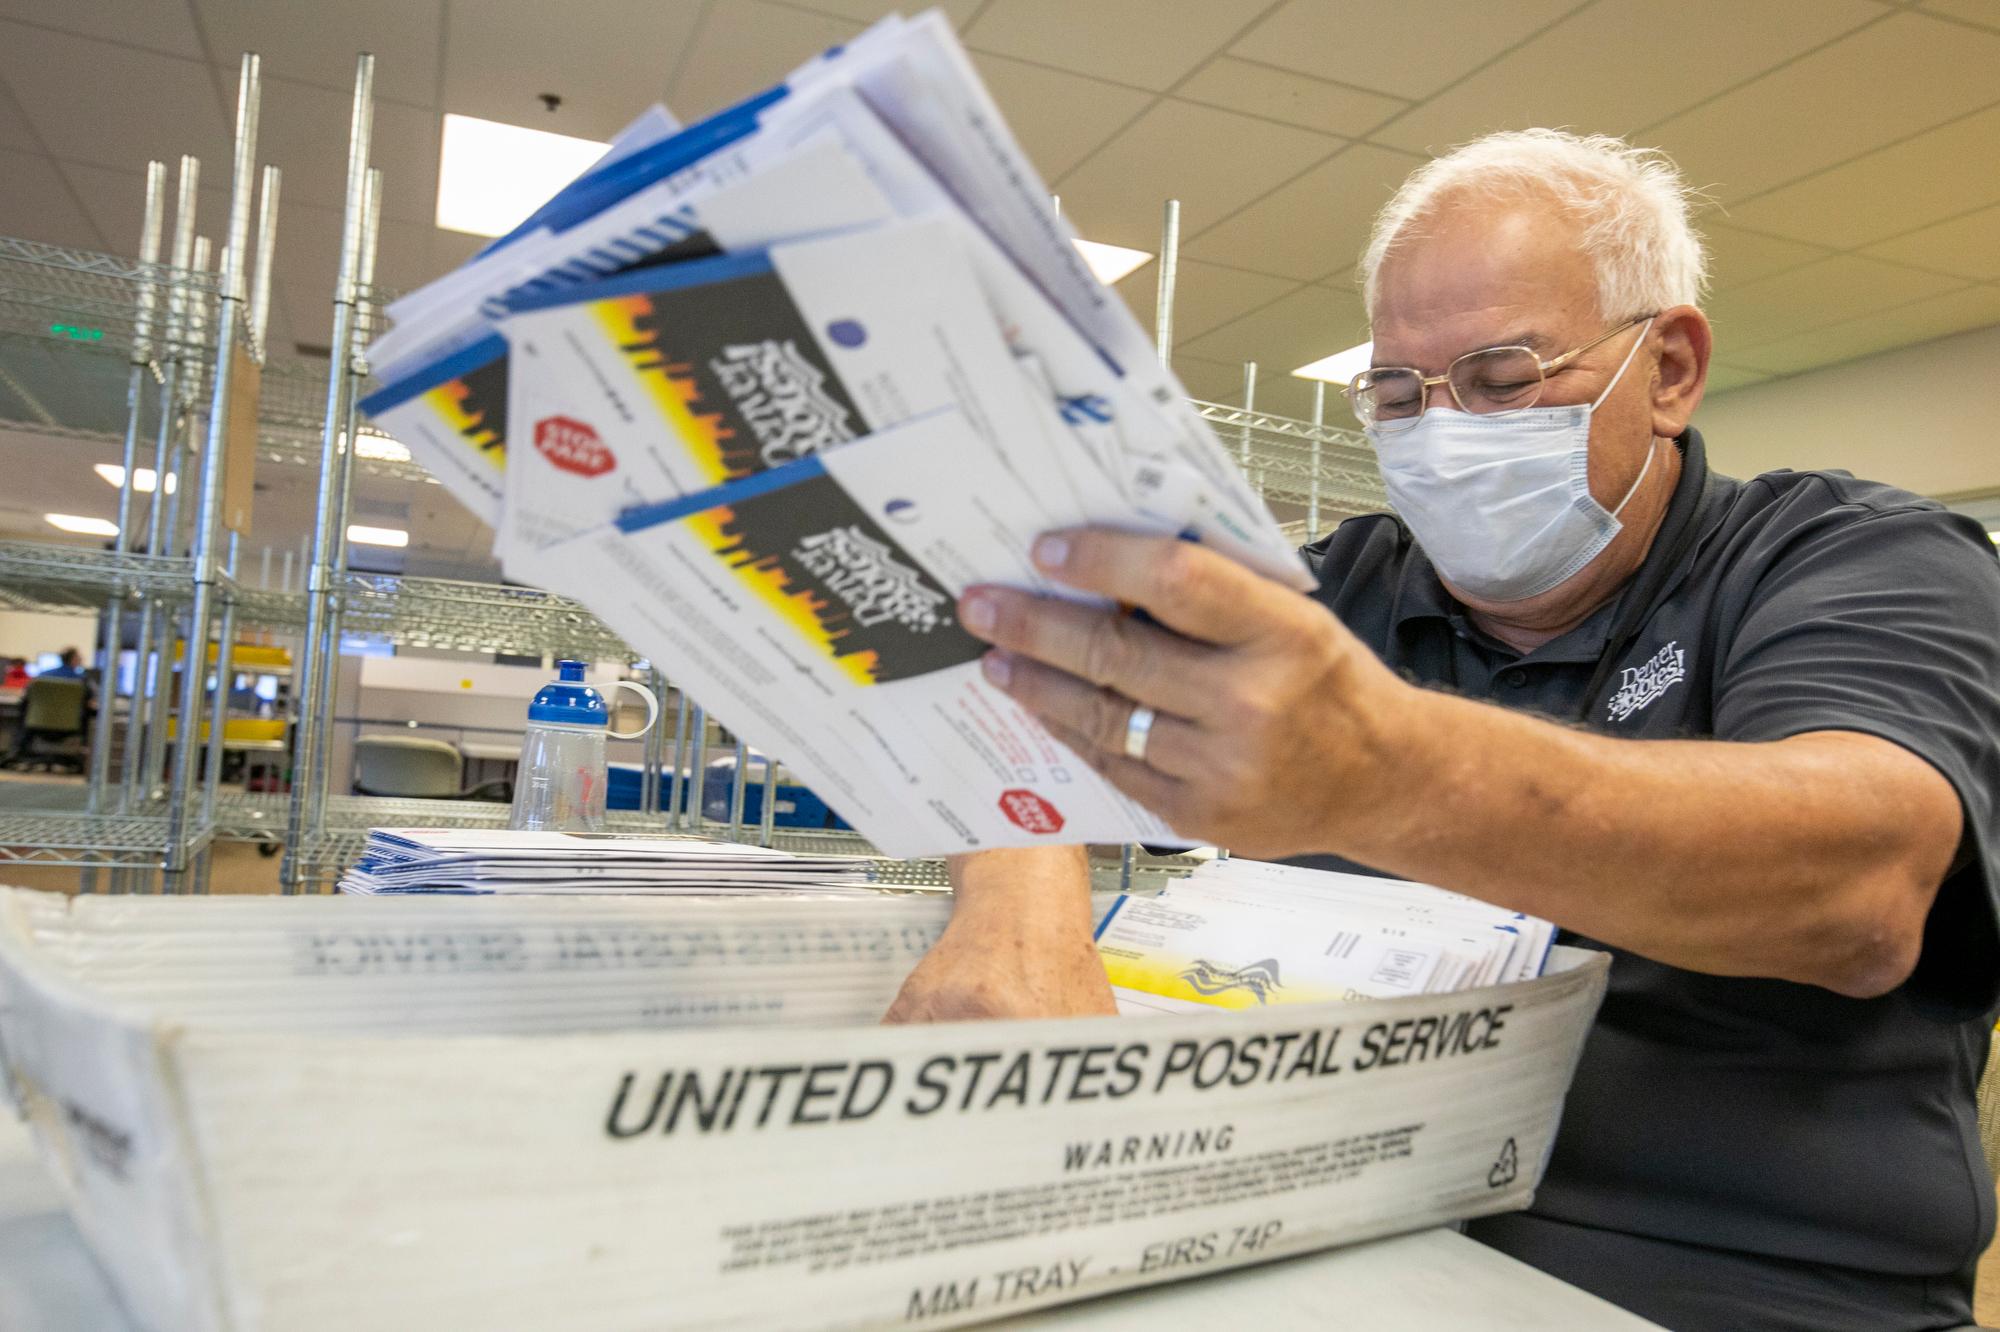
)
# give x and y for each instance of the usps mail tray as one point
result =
(296, 1114)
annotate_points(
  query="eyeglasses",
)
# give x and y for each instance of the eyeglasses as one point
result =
(1491, 382)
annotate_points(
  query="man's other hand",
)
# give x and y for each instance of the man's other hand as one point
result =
(1019, 944)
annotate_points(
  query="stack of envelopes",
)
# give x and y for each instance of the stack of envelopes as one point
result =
(768, 392)
(1242, 933)
(492, 860)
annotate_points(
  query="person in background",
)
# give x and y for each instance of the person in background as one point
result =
(1743, 735)
(16, 676)
(69, 668)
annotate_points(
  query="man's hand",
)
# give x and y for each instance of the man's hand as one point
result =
(1270, 734)
(1019, 944)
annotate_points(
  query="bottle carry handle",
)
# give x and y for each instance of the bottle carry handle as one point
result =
(652, 709)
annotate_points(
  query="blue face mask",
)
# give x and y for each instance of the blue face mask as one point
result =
(1502, 504)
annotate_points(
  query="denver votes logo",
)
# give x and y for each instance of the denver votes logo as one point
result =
(1260, 979)
(1640, 685)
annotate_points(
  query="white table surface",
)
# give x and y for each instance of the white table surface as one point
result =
(1432, 1281)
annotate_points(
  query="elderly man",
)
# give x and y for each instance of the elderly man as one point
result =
(1744, 735)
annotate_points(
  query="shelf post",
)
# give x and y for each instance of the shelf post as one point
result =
(736, 791)
(319, 657)
(208, 514)
(1312, 491)
(135, 411)
(149, 675)
(1170, 274)
(675, 793)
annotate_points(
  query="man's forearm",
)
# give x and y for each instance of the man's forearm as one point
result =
(1037, 888)
(1811, 859)
(1019, 942)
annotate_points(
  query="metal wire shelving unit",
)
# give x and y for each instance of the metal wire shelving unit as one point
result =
(160, 326)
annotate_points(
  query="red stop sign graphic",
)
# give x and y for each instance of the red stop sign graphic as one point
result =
(1030, 812)
(572, 446)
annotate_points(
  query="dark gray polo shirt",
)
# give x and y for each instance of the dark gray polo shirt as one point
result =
(1737, 1153)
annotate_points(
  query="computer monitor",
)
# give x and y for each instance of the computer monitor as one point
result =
(46, 661)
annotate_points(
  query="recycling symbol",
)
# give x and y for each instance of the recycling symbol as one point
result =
(1506, 1168)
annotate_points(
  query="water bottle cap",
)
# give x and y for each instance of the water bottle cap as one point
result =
(568, 700)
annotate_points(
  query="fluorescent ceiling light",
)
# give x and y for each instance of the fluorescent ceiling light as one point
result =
(491, 176)
(70, 522)
(1110, 262)
(380, 447)
(1341, 367)
(143, 479)
(377, 536)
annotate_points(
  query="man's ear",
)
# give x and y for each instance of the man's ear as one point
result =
(1685, 341)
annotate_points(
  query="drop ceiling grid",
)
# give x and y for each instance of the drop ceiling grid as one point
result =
(1283, 65)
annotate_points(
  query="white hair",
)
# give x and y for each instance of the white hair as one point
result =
(1631, 205)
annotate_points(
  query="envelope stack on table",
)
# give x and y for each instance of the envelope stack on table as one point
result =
(492, 861)
(1242, 934)
(768, 392)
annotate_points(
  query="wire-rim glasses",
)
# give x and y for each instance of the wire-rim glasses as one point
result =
(1490, 382)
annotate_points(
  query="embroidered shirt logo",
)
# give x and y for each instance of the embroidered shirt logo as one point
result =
(1640, 685)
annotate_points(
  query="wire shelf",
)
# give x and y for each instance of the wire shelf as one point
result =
(1276, 452)
(36, 575)
(61, 837)
(82, 296)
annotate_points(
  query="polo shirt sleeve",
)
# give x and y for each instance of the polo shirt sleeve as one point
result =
(1887, 622)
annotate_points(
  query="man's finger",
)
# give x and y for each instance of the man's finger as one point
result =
(1096, 718)
(1106, 647)
(1156, 790)
(1190, 589)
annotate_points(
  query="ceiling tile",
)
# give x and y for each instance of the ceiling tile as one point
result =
(1736, 257)
(177, 112)
(1892, 79)
(606, 59)
(1615, 67)
(1889, 191)
(1213, 161)
(1058, 118)
(158, 25)
(1280, 94)
(1986, 12)
(115, 201)
(1412, 52)
(1919, 321)
(15, 131)
(37, 205)
(309, 254)
(1290, 332)
(449, 249)
(303, 131)
(1722, 378)
(1211, 381)
(1205, 296)
(743, 47)
(1314, 226)
(1967, 246)
(318, 43)
(867, 11)
(1814, 296)
(1150, 43)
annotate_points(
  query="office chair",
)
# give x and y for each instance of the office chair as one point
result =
(52, 715)
(412, 768)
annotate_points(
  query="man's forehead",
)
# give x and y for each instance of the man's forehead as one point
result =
(1482, 273)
